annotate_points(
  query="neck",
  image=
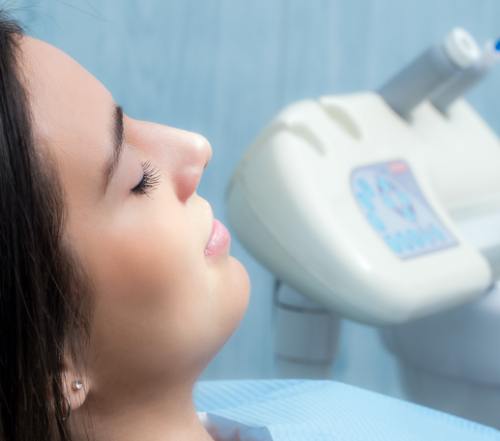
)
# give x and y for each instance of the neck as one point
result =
(156, 415)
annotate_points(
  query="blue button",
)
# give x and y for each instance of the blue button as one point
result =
(410, 242)
(365, 201)
(365, 187)
(417, 239)
(421, 238)
(384, 184)
(404, 198)
(394, 244)
(375, 221)
(409, 213)
(388, 201)
(401, 239)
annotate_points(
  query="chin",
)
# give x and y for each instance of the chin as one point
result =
(232, 304)
(235, 299)
(242, 286)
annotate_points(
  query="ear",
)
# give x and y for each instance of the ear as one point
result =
(75, 385)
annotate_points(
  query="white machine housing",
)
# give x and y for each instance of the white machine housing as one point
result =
(293, 203)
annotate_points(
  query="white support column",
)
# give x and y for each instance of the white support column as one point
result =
(306, 335)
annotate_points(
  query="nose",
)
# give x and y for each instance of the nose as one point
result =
(194, 153)
(181, 154)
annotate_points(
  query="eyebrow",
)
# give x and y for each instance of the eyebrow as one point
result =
(117, 137)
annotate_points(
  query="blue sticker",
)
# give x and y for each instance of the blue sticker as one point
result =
(393, 204)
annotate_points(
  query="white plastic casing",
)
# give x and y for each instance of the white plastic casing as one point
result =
(290, 203)
(461, 47)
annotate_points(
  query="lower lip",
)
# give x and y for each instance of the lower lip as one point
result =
(219, 241)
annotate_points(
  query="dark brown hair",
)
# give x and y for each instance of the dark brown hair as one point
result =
(43, 306)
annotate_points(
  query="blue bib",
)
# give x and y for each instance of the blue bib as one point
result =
(311, 410)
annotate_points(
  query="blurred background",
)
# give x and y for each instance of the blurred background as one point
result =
(224, 68)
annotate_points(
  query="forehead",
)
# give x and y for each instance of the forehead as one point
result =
(71, 110)
(60, 88)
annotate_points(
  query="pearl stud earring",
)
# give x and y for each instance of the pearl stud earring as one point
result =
(76, 385)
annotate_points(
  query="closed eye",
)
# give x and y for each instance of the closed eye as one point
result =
(149, 181)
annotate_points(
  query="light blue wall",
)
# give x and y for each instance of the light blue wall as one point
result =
(225, 67)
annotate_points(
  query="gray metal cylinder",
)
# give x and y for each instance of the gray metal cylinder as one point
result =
(463, 81)
(435, 66)
(457, 86)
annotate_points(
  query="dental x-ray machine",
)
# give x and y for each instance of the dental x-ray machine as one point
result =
(377, 206)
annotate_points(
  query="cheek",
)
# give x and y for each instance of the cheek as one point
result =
(157, 301)
(147, 260)
(143, 301)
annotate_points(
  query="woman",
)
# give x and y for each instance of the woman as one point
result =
(114, 293)
(116, 286)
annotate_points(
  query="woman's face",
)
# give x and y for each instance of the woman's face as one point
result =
(162, 308)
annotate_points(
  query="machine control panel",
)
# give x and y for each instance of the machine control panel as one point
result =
(394, 205)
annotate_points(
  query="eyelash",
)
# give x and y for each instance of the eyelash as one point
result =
(150, 179)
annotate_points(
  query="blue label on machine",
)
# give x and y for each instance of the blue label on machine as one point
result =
(396, 208)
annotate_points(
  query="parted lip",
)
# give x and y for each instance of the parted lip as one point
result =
(211, 224)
